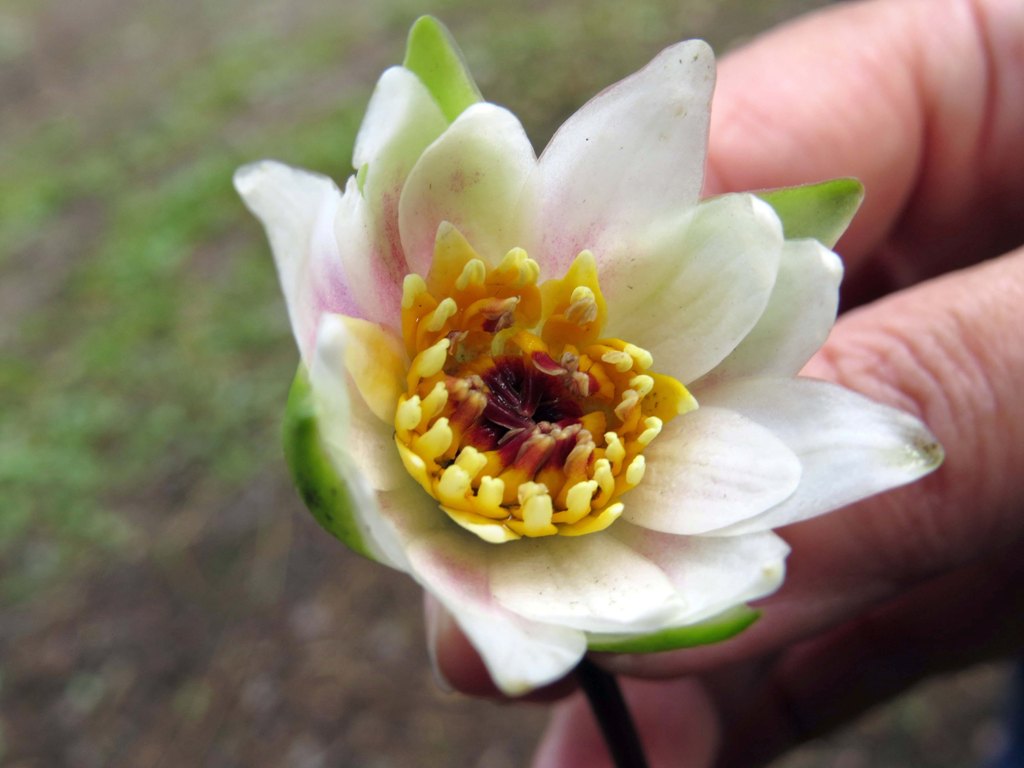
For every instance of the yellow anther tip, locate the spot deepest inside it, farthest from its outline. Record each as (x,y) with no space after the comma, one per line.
(435,400)
(643,358)
(643,384)
(473,273)
(434,441)
(408,413)
(537,513)
(653,428)
(581,293)
(413,286)
(431,360)
(471,461)
(636,469)
(442,314)
(453,485)
(619,360)
(491,491)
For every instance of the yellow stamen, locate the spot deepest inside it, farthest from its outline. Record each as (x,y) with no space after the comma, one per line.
(614,450)
(577,503)
(641,357)
(434,441)
(413,287)
(620,360)
(537,512)
(643,384)
(429,362)
(408,414)
(594,524)
(635,472)
(436,320)
(453,486)
(653,428)
(433,403)
(474,273)
(508,385)
(489,497)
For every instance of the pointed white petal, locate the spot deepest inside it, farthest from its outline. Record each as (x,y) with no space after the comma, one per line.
(708,469)
(796,322)
(519,654)
(689,292)
(401,121)
(298,210)
(850,447)
(473,176)
(592,583)
(711,574)
(631,156)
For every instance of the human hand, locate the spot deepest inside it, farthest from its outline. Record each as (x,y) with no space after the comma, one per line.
(920,99)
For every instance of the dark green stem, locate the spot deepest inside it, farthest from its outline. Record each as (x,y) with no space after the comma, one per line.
(612,715)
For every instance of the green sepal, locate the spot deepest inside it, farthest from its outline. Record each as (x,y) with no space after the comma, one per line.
(715,630)
(822,211)
(434,57)
(324,493)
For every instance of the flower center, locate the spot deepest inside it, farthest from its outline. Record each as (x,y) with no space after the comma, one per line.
(518,418)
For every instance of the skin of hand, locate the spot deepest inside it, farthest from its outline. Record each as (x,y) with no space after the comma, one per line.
(923,101)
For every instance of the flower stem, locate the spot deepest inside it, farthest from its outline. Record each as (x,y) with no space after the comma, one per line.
(612,715)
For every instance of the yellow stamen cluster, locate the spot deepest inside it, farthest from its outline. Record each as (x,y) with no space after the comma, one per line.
(518,418)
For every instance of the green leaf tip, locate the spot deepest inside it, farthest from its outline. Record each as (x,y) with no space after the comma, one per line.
(714,630)
(434,57)
(323,492)
(822,211)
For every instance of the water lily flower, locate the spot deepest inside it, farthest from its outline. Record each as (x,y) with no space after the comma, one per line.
(560,392)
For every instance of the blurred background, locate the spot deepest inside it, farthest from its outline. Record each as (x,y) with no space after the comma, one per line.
(165,599)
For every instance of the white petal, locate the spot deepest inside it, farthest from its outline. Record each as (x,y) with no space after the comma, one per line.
(631,156)
(592,583)
(298,209)
(401,121)
(689,292)
(519,654)
(797,320)
(708,469)
(359,441)
(374,272)
(473,176)
(711,574)
(850,447)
